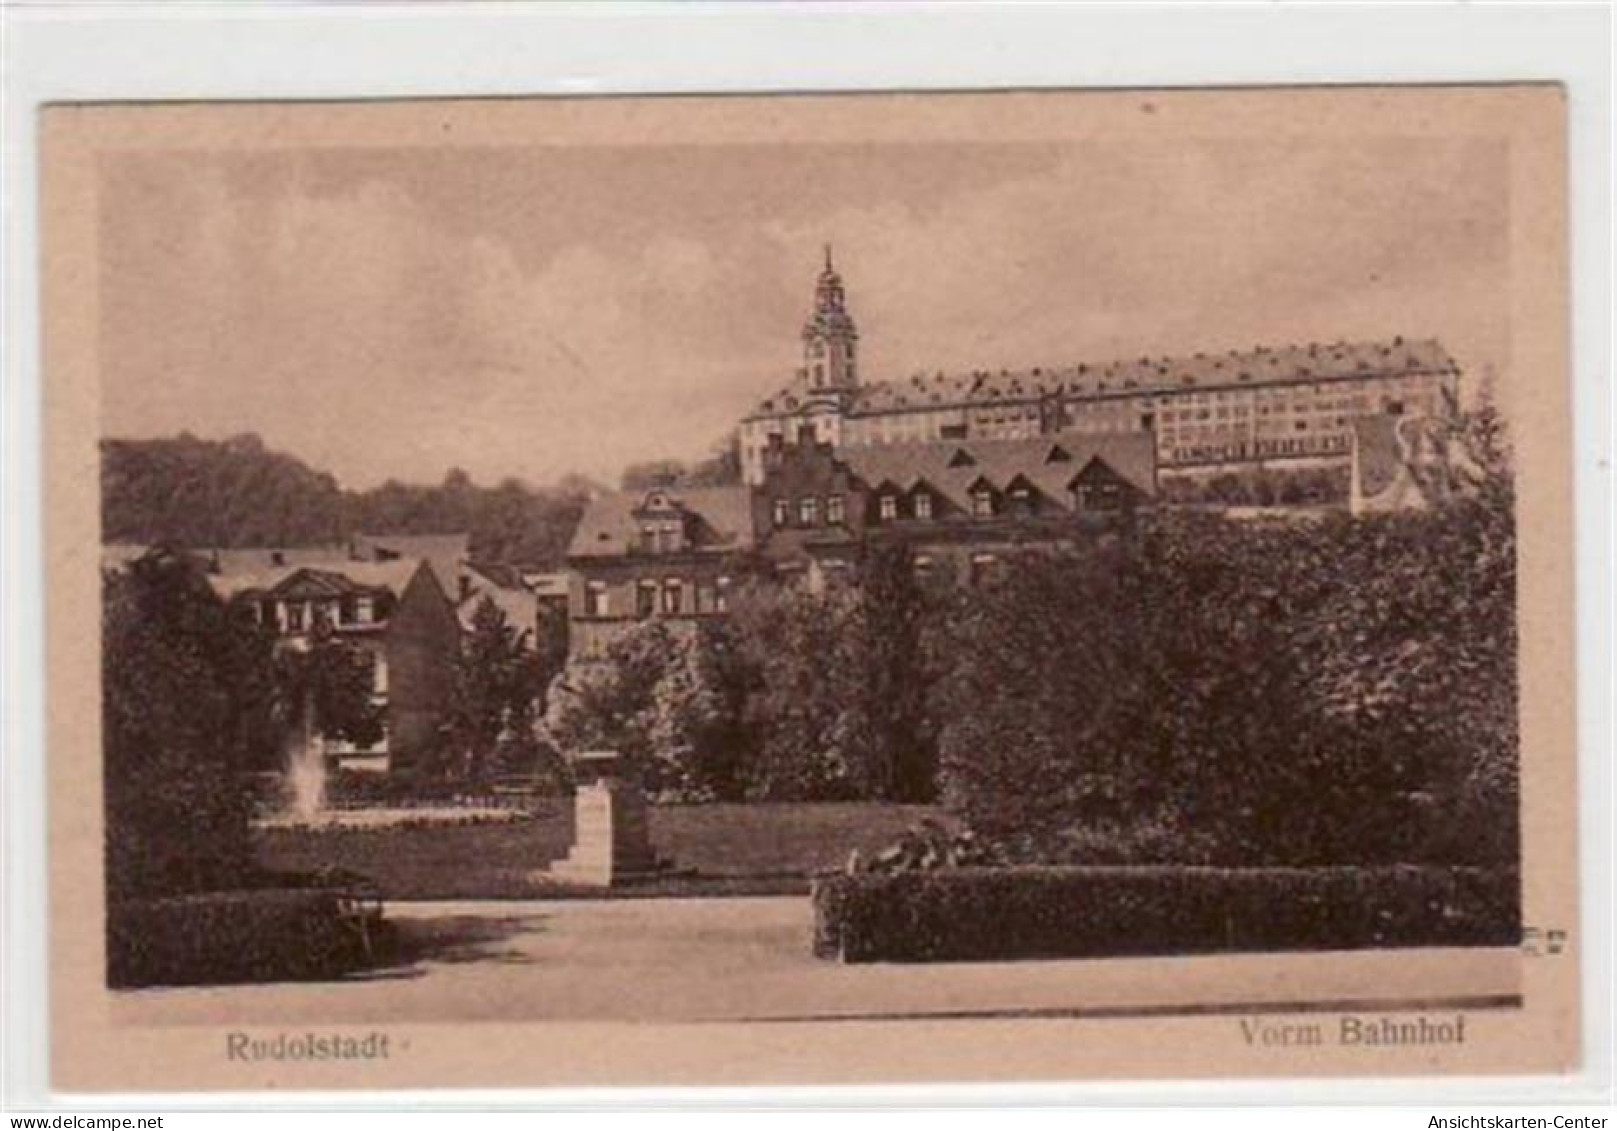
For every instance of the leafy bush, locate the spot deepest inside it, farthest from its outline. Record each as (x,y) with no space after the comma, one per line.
(931,845)
(266,935)
(927,846)
(995,914)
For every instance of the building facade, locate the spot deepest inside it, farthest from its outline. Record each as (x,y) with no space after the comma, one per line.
(1291,406)
(961,506)
(963,509)
(663,553)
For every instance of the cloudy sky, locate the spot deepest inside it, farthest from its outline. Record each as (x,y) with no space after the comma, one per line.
(542,310)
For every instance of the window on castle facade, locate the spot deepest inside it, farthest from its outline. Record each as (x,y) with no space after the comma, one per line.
(783,512)
(645,599)
(673,596)
(835,512)
(889,507)
(982,504)
(923,505)
(808,511)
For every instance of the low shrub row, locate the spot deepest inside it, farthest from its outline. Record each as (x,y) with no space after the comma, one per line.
(266,935)
(978,914)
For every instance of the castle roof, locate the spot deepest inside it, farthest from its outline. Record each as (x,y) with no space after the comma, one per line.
(1314,361)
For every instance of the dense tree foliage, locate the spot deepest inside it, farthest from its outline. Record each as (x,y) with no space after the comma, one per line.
(187,708)
(1284,692)
(1261,487)
(1297,689)
(720,468)
(190,492)
(797,694)
(492,723)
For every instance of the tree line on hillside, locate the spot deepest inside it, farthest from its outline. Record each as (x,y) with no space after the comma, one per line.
(191,492)
(1193,689)
(721,467)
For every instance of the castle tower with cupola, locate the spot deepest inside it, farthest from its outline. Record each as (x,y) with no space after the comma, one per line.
(830,340)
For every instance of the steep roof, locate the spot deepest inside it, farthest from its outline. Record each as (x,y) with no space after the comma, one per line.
(722,520)
(250,559)
(519,603)
(1048,462)
(339,573)
(447,554)
(1314,361)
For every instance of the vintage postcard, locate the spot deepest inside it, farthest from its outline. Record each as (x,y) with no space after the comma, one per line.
(978,587)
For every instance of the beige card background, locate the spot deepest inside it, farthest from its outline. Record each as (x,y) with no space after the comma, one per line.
(92,1052)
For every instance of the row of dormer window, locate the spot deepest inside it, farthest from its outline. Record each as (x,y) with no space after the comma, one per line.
(811,510)
(891,506)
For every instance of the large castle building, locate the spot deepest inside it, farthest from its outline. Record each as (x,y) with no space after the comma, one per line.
(1290,406)
(971,471)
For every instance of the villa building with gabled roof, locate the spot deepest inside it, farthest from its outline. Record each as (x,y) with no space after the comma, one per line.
(394,612)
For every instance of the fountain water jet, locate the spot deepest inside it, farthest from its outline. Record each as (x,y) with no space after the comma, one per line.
(306,776)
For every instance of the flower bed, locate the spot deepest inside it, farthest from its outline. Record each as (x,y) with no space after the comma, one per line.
(988,914)
(406,817)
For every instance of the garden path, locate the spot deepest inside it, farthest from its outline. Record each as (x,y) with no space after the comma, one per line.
(749,959)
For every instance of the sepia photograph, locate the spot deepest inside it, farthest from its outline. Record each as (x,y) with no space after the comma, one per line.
(692,579)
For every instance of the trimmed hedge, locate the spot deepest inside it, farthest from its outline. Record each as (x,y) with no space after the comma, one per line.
(985,914)
(265,935)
